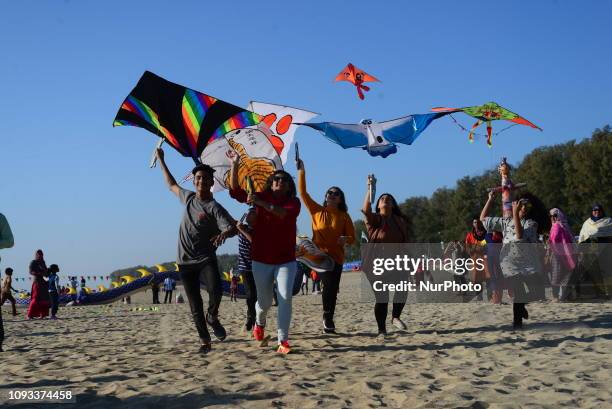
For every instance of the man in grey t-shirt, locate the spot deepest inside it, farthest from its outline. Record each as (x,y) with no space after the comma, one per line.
(204,227)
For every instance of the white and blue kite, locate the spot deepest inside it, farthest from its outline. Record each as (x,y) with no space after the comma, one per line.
(378,138)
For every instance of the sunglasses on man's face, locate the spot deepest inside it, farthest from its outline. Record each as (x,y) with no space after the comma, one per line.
(279,178)
(333,193)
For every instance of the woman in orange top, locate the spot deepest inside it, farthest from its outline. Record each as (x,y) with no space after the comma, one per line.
(332,228)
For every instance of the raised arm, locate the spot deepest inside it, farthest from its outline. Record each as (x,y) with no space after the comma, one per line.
(487,207)
(310,204)
(170,181)
(367,201)
(518,227)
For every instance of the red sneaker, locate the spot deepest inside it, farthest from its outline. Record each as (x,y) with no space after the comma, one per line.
(284,347)
(258,332)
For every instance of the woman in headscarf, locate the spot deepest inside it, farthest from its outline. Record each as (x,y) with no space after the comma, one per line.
(39,302)
(598,229)
(561,254)
(332,228)
(386,225)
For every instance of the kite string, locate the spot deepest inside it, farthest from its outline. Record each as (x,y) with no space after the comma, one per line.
(464,129)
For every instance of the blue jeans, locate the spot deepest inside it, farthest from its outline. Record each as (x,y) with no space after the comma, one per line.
(265,275)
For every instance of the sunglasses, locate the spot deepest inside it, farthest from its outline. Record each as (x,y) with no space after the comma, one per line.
(278,178)
(333,193)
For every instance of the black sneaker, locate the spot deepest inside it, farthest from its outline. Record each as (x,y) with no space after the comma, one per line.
(217,328)
(205,348)
(328,326)
(249,324)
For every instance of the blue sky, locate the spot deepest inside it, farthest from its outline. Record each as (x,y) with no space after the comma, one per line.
(82,191)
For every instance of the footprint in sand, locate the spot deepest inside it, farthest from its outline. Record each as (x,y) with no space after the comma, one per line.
(374,385)
(427,375)
(510,379)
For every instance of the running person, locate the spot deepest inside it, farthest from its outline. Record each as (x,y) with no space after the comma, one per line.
(386,225)
(273,248)
(332,229)
(519,255)
(205,226)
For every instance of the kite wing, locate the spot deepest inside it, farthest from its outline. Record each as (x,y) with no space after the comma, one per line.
(491,111)
(447,110)
(347,74)
(355,75)
(406,129)
(345,135)
(281,121)
(496,111)
(185,118)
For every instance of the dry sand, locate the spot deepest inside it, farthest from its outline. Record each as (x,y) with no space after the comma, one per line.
(451,356)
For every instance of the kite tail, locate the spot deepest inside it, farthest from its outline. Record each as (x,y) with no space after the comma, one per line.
(471,135)
(360,92)
(489,133)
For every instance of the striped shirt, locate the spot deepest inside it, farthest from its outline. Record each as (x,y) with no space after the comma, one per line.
(244,254)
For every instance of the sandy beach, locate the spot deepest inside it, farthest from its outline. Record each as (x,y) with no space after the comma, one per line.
(451,356)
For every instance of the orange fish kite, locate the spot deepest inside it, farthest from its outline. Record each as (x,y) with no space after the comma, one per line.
(356,77)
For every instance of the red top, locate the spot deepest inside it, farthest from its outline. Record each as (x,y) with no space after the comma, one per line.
(273,237)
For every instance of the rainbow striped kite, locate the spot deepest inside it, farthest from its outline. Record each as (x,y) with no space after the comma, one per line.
(186,119)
